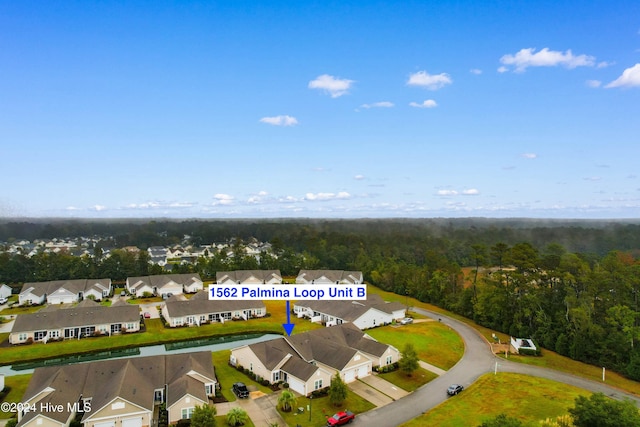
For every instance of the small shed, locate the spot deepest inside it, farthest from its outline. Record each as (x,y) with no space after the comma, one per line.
(522,343)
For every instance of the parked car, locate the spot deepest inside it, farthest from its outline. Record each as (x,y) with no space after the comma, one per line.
(147,315)
(406,321)
(454,389)
(3,300)
(123,294)
(341,418)
(240,390)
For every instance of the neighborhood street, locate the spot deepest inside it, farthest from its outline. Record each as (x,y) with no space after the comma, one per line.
(477,360)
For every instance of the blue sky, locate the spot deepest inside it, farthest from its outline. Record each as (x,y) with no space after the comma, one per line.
(320,109)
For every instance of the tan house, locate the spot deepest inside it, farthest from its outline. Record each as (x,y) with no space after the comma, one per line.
(249,277)
(199,310)
(307,361)
(88,318)
(119,393)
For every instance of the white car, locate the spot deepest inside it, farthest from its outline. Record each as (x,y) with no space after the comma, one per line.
(406,321)
(3,300)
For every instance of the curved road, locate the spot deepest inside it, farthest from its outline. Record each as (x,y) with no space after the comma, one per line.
(476,361)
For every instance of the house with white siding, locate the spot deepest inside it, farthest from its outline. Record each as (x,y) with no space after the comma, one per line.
(120,392)
(307,361)
(365,314)
(200,310)
(5,291)
(64,291)
(329,277)
(87,319)
(164,284)
(249,277)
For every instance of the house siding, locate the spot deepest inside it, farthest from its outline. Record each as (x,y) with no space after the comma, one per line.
(187,401)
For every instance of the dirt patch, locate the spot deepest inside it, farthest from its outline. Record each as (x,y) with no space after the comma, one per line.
(256,394)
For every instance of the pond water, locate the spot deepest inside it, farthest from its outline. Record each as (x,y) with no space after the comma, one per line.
(210,344)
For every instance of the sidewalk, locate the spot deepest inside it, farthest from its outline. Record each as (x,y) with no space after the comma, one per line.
(429,367)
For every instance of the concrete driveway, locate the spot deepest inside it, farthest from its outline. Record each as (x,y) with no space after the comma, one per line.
(261,410)
(151,309)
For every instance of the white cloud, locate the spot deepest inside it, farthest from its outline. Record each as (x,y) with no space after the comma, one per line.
(604,64)
(475,71)
(358,177)
(71,208)
(530,155)
(382,104)
(429,81)
(98,208)
(429,103)
(327,196)
(471,192)
(629,78)
(525,58)
(334,86)
(593,83)
(280,120)
(502,69)
(222,199)
(447,193)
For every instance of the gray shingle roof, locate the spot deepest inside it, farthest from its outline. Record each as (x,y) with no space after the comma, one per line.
(200,304)
(84,314)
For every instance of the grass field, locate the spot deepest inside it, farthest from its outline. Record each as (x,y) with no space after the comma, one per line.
(419,378)
(18,385)
(321,409)
(527,398)
(434,342)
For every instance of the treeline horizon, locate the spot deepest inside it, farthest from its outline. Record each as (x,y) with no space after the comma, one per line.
(573,286)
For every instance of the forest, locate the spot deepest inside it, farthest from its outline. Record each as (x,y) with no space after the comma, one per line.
(571,285)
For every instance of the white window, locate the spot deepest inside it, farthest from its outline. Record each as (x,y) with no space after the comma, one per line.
(258,312)
(208,388)
(22,337)
(317,385)
(389,359)
(186,413)
(54,334)
(130,326)
(103,328)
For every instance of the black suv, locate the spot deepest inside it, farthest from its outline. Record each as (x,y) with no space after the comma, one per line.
(240,390)
(454,389)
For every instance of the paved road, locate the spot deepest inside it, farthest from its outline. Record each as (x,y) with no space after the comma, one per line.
(476,361)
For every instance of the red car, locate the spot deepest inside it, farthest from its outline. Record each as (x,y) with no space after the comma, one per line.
(341,418)
(147,315)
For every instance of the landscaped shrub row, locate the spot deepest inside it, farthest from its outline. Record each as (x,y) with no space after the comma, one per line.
(387,368)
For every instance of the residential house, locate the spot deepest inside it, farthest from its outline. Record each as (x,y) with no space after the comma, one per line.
(158,255)
(307,361)
(119,392)
(5,291)
(365,314)
(198,310)
(248,277)
(88,318)
(165,284)
(64,291)
(328,277)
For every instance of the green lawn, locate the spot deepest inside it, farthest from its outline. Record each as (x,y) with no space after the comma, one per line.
(21,310)
(434,342)
(18,385)
(419,378)
(321,409)
(157,334)
(529,399)
(227,375)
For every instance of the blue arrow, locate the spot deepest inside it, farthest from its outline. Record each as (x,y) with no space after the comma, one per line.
(288,327)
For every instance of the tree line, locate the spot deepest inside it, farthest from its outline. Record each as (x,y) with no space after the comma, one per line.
(571,285)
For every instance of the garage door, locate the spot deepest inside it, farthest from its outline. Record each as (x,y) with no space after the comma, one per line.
(107,424)
(296,385)
(132,422)
(363,371)
(349,376)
